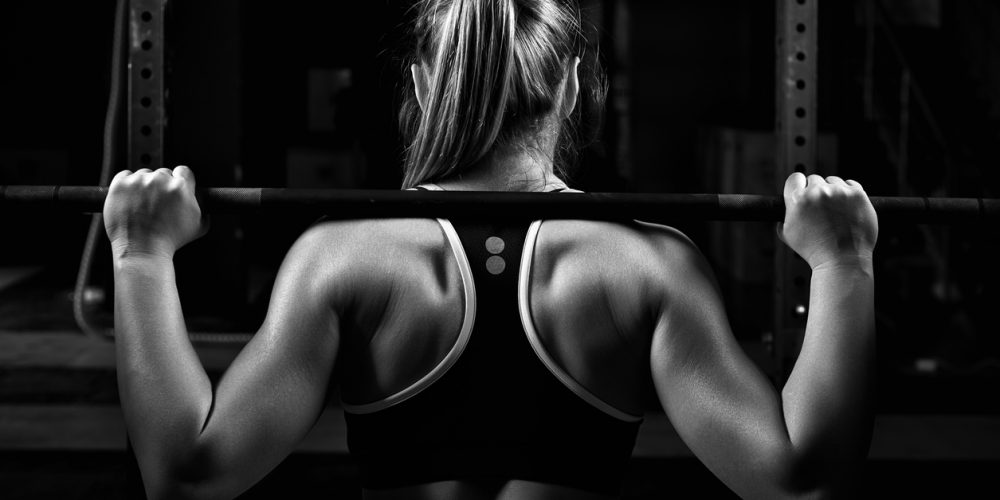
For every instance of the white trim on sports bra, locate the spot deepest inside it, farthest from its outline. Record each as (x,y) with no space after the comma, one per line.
(469,321)
(456,350)
(524,305)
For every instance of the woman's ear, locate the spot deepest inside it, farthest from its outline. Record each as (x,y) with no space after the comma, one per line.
(419,84)
(571,89)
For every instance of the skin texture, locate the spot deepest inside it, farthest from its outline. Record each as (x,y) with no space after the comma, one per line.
(645,294)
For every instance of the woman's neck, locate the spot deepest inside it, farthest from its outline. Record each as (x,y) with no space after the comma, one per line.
(521,171)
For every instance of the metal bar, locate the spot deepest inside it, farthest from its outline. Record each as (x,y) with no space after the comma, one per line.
(363,204)
(795,123)
(147,115)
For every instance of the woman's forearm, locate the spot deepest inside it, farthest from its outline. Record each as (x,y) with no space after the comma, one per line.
(827,400)
(165,394)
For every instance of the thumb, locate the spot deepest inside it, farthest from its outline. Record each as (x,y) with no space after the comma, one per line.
(185,173)
(795,182)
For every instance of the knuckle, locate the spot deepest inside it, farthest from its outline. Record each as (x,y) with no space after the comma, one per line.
(130,182)
(174,187)
(816,194)
(152,180)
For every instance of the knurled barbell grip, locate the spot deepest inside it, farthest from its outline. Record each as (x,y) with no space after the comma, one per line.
(351,204)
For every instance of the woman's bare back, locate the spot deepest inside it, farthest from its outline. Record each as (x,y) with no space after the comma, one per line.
(591,294)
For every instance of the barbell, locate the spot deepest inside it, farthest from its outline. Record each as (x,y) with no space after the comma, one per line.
(361,204)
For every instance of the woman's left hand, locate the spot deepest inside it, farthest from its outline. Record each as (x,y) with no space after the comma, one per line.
(153,213)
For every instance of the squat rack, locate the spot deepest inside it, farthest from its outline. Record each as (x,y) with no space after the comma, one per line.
(795,127)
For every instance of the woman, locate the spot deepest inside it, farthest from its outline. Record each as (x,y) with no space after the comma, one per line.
(486,359)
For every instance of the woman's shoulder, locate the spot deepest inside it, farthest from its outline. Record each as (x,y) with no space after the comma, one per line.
(667,239)
(619,255)
(361,245)
(628,268)
(353,232)
(655,243)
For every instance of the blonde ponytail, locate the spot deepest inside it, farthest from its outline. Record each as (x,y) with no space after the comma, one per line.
(468,88)
(494,68)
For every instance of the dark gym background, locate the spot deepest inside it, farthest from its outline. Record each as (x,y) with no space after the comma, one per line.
(304,94)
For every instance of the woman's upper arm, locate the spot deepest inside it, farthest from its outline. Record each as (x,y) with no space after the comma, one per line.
(275,390)
(720,403)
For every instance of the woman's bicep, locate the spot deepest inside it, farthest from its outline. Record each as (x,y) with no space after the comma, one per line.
(720,403)
(275,390)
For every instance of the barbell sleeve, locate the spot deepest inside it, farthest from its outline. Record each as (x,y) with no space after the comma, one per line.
(360,204)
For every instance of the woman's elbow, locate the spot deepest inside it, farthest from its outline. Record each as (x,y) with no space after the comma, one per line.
(175,489)
(813,479)
(165,487)
(191,479)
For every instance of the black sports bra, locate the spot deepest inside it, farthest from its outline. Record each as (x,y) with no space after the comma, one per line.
(497,407)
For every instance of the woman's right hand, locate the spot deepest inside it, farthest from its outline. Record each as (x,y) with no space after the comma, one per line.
(150,212)
(828,221)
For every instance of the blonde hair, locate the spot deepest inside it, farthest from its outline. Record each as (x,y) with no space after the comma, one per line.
(495,70)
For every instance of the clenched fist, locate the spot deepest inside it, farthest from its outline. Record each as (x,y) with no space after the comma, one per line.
(152,213)
(828,221)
